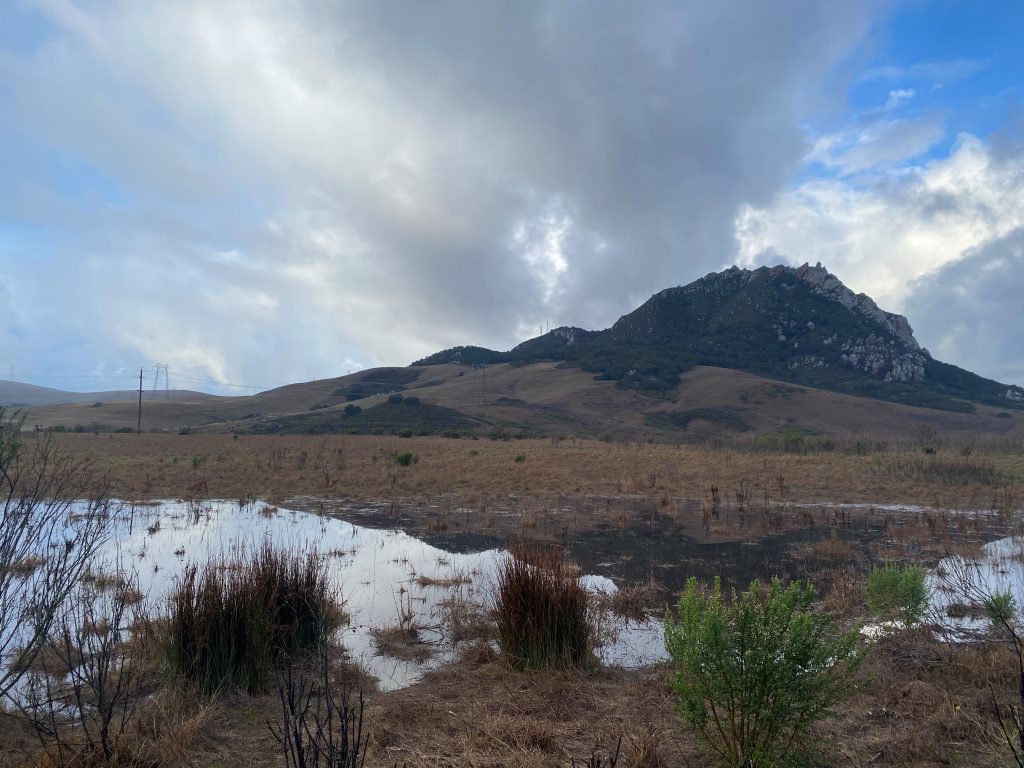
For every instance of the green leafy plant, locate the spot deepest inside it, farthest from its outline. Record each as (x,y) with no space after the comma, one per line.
(1001,608)
(406,458)
(898,594)
(754,674)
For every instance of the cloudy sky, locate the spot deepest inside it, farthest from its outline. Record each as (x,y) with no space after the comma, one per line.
(261,192)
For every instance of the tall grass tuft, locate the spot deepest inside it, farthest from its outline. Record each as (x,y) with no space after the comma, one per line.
(949,472)
(543,613)
(236,619)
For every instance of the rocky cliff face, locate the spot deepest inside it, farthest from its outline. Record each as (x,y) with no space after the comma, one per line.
(831,287)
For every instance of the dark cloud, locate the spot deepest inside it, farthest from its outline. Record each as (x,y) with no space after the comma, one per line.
(369,182)
(969,312)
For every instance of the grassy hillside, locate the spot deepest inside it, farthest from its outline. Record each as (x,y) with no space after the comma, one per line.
(543,399)
(777,322)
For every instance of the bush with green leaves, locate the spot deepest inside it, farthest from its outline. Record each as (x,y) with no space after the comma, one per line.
(898,594)
(406,458)
(755,673)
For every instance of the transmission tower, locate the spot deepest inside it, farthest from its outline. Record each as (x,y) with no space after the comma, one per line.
(156,379)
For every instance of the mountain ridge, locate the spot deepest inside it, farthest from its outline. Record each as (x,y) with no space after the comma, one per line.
(800,324)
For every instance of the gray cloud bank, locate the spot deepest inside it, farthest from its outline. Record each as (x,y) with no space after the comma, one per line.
(973,309)
(285,190)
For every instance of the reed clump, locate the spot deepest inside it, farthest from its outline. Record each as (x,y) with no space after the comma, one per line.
(543,612)
(236,619)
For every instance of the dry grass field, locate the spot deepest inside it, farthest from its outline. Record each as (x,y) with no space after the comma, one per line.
(349,466)
(918,702)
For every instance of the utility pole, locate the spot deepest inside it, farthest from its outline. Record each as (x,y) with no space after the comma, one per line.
(139,428)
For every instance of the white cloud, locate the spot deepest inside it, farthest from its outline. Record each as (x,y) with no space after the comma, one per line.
(899,96)
(882,233)
(877,144)
(933,72)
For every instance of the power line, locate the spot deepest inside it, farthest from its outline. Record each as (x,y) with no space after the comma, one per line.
(67,376)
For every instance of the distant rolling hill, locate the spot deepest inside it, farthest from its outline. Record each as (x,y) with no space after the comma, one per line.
(737,352)
(540,399)
(16,394)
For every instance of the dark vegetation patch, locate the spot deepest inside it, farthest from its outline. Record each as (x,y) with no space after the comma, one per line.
(682,419)
(408,416)
(377,381)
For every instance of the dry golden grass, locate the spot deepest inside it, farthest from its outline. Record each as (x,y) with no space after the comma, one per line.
(342,466)
(480,712)
(923,703)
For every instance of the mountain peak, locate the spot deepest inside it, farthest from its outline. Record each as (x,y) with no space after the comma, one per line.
(801,324)
(822,283)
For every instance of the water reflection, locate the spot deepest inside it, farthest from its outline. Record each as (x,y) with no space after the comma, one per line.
(379,572)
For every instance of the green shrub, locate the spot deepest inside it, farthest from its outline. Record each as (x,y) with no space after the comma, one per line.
(898,594)
(406,458)
(407,432)
(543,612)
(234,621)
(520,458)
(755,674)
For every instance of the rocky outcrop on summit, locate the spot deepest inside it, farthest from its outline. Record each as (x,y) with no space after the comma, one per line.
(831,287)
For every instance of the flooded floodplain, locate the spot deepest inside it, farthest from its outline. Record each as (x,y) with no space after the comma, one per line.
(428,564)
